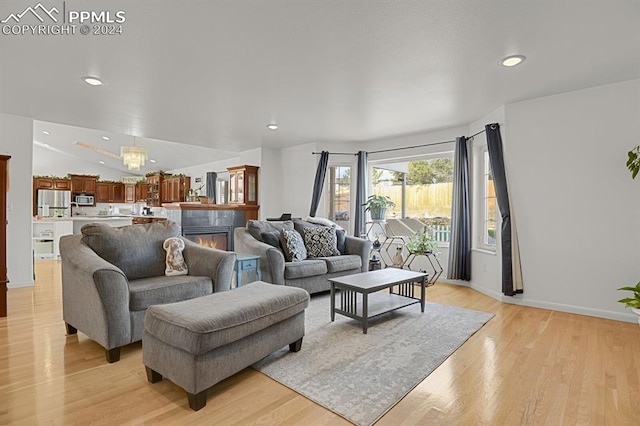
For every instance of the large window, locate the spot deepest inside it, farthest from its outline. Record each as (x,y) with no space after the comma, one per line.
(426,194)
(339,197)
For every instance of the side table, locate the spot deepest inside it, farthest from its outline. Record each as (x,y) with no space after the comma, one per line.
(244,263)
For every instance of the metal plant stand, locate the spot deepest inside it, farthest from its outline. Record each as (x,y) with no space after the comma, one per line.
(433,261)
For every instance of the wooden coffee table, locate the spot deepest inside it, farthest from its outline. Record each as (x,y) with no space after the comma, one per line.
(371,304)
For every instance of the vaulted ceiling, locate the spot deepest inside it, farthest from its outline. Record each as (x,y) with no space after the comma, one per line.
(213,73)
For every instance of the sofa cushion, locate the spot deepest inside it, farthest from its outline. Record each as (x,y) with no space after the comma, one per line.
(257,227)
(305,268)
(135,249)
(321,241)
(343,263)
(341,235)
(292,246)
(145,292)
(200,325)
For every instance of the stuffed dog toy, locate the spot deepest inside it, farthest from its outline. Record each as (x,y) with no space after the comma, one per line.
(175,261)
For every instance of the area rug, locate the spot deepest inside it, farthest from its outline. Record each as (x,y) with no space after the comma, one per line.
(362,376)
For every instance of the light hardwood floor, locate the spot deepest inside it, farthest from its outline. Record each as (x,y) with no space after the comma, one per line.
(525,366)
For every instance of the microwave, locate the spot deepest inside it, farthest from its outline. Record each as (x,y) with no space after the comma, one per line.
(84,200)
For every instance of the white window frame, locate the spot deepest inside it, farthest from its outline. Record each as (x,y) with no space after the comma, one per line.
(327,193)
(481,207)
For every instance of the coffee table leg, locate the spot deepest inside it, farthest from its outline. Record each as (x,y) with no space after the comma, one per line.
(333,302)
(365,312)
(422,294)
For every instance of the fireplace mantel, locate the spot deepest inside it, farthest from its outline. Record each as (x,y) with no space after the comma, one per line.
(251,212)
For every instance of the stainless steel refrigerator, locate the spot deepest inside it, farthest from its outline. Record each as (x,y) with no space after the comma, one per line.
(54,203)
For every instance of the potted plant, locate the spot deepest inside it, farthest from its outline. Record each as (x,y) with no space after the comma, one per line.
(632,302)
(633,161)
(377,206)
(421,243)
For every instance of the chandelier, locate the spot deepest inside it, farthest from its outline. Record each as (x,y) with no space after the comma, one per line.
(133,156)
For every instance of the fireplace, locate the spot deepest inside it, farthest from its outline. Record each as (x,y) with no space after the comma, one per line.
(218,237)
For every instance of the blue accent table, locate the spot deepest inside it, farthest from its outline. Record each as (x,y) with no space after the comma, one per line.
(244,263)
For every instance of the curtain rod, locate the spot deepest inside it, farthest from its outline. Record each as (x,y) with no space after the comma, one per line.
(404,147)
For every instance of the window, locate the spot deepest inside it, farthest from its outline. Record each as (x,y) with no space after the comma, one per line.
(426,195)
(339,197)
(489,210)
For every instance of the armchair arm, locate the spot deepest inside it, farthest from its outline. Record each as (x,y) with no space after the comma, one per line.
(209,262)
(95,294)
(271,259)
(360,247)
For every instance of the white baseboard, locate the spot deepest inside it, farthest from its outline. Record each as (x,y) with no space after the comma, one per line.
(572,309)
(19,284)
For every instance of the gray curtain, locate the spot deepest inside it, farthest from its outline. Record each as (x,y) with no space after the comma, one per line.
(212,177)
(361,194)
(460,245)
(496,158)
(318,183)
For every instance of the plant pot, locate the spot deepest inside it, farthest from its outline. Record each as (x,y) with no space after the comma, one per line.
(204,200)
(637,312)
(378,214)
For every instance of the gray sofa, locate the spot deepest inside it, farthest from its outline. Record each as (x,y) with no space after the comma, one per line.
(311,274)
(110,276)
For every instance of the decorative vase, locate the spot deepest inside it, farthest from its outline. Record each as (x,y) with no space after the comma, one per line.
(637,312)
(378,214)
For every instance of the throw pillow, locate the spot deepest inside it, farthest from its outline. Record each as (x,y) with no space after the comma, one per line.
(321,241)
(257,227)
(323,221)
(272,238)
(341,236)
(292,246)
(175,261)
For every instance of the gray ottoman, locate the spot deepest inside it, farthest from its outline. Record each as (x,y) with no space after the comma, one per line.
(200,342)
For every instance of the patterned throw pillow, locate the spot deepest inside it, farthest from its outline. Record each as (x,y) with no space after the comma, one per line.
(321,241)
(175,261)
(292,246)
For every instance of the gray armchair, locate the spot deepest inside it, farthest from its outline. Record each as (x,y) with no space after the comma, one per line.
(110,276)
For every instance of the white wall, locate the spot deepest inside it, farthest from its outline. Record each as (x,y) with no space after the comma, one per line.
(270,188)
(51,163)
(16,139)
(298,167)
(577,207)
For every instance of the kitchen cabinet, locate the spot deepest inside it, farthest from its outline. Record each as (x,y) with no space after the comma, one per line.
(51,183)
(140,220)
(154,188)
(109,192)
(130,193)
(141,192)
(243,185)
(85,184)
(46,237)
(175,189)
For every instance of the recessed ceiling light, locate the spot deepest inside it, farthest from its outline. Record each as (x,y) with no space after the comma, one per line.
(94,81)
(153,161)
(45,132)
(106,138)
(101,162)
(512,61)
(272,126)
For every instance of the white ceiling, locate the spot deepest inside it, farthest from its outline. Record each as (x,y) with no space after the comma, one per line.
(213,73)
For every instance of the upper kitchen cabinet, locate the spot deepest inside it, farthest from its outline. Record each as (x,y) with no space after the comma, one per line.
(176,189)
(51,183)
(85,184)
(110,192)
(243,185)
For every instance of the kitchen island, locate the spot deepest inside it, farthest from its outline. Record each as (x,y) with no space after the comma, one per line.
(115,221)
